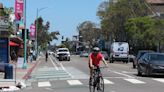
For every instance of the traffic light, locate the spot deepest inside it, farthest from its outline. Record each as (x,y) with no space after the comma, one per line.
(23,33)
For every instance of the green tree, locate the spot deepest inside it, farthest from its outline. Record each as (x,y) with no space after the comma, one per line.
(89,32)
(114,16)
(6,12)
(145,32)
(45,37)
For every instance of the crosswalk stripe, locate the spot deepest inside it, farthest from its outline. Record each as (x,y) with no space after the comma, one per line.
(159,80)
(74,82)
(107,82)
(44,84)
(135,81)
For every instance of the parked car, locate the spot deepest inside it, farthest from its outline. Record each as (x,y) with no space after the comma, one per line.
(151,63)
(104,53)
(84,54)
(50,52)
(63,54)
(139,55)
(119,51)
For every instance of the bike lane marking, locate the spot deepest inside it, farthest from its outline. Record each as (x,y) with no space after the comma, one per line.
(74,82)
(122,74)
(135,81)
(44,84)
(65,70)
(107,82)
(54,64)
(159,80)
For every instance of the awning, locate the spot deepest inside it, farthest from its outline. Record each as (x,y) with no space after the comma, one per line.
(13,43)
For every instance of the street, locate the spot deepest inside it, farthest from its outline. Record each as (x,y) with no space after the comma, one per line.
(72,76)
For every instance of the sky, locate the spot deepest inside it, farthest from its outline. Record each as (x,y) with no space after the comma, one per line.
(64,15)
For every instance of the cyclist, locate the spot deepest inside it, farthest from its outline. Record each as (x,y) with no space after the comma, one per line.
(94,59)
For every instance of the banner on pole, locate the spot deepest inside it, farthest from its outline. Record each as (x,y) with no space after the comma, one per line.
(32,31)
(18,9)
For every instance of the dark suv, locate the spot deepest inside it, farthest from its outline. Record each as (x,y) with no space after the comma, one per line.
(140,53)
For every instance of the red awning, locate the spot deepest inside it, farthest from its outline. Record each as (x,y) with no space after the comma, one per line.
(13,44)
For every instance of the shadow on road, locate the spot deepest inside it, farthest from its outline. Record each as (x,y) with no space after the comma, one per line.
(151,76)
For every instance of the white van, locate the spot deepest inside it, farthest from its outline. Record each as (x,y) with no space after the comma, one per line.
(119,51)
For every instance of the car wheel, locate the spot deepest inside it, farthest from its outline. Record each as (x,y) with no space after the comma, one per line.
(69,59)
(111,61)
(139,73)
(134,66)
(60,59)
(147,73)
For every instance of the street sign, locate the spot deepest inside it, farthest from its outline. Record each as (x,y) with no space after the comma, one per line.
(4,23)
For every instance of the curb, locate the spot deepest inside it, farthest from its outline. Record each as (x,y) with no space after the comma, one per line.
(27,75)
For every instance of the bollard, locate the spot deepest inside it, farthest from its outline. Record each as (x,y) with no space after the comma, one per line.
(8,71)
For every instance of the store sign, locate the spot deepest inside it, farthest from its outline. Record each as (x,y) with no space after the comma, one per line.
(4,23)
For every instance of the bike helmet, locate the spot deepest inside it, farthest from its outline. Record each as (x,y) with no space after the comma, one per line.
(96,49)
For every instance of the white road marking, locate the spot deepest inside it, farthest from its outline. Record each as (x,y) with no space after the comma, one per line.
(107,82)
(135,81)
(159,80)
(66,70)
(128,72)
(74,82)
(63,68)
(44,84)
(54,64)
(123,74)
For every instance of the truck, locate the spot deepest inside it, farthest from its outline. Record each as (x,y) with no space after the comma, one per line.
(119,51)
(63,54)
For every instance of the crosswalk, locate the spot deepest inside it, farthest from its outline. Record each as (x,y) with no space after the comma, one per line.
(83,82)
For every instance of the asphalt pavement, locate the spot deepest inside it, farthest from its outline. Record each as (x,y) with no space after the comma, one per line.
(72,76)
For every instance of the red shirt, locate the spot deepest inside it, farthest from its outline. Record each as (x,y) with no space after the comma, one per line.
(96,59)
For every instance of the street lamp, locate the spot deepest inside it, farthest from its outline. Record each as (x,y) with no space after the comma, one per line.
(36,42)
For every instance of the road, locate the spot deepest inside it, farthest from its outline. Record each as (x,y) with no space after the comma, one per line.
(72,76)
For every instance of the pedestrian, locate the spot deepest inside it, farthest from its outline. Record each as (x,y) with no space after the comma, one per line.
(31,56)
(46,56)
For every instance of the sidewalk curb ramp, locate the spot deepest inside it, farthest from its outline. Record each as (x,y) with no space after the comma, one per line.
(27,75)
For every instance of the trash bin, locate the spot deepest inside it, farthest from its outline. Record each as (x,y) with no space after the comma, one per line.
(8,71)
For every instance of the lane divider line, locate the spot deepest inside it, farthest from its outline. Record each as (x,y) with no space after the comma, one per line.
(54,64)
(63,68)
(66,70)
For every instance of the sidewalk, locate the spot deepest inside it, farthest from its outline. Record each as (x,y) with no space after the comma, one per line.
(21,75)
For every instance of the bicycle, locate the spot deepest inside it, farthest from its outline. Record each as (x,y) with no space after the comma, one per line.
(97,81)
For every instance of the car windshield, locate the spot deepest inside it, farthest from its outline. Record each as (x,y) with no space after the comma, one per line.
(157,57)
(63,50)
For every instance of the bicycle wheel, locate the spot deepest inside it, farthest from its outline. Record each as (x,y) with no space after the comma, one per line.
(100,84)
(91,85)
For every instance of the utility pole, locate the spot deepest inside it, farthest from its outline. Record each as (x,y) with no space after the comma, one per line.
(25,36)
(36,30)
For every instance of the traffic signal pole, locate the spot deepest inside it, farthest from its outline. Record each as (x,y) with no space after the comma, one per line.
(25,36)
